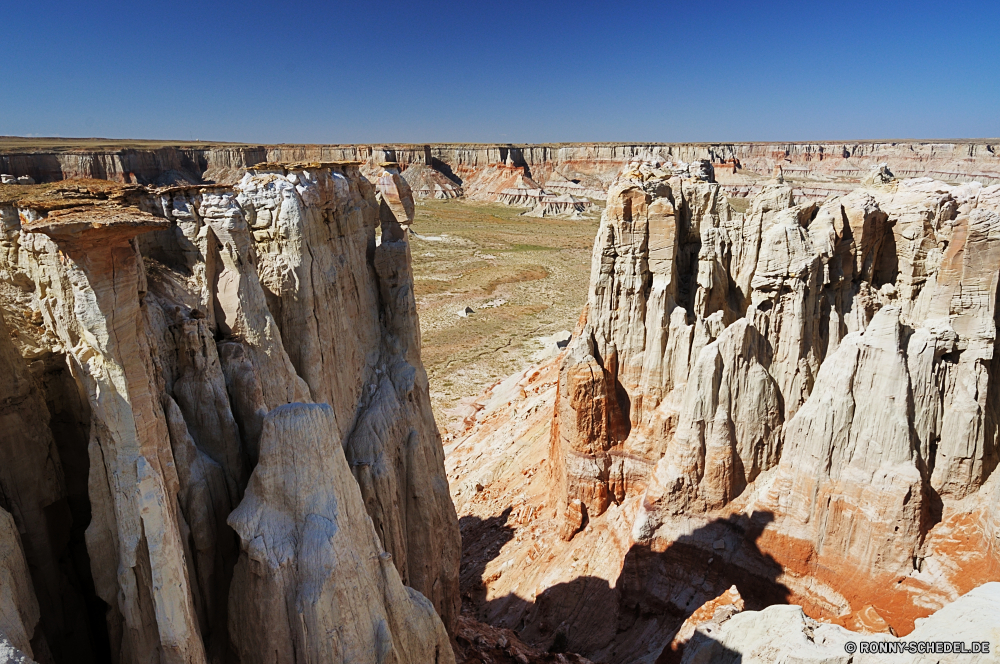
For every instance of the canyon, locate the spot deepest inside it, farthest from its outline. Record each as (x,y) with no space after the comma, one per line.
(776,411)
(484,171)
(795,400)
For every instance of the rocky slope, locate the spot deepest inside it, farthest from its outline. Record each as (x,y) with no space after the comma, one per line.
(797,400)
(482,171)
(783,634)
(217,442)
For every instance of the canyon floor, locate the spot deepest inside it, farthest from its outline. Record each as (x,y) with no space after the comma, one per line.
(524,278)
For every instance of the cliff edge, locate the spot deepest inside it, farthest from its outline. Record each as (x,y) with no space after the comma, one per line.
(218,442)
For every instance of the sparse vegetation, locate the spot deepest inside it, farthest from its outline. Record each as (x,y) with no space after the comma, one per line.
(739,204)
(524,277)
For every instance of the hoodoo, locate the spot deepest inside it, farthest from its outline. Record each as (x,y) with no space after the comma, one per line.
(800,400)
(217,438)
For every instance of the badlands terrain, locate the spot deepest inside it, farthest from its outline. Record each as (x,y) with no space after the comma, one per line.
(494,403)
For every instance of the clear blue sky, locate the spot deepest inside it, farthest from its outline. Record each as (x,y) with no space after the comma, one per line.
(386,71)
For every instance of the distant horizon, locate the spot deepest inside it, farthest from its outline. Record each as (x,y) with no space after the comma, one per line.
(206,142)
(513,73)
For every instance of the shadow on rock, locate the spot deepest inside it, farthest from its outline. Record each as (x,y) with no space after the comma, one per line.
(482,540)
(638,615)
(709,651)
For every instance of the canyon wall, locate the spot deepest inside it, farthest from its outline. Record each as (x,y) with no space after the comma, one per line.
(218,444)
(831,365)
(481,171)
(799,400)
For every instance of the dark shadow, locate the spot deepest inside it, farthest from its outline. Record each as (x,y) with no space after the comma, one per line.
(688,248)
(445,170)
(887,264)
(620,421)
(640,613)
(624,400)
(517,158)
(709,650)
(39,167)
(171,248)
(933,510)
(481,543)
(149,166)
(80,634)
(991,451)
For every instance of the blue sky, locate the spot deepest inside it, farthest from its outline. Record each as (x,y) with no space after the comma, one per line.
(386,71)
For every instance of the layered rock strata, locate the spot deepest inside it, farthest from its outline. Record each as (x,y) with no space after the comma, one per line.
(524,192)
(797,400)
(248,355)
(584,170)
(553,205)
(427,182)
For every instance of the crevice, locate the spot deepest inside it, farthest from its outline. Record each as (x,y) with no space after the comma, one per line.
(85,638)
(991,438)
(886,268)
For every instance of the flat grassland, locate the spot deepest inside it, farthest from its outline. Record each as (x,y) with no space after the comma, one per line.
(523,277)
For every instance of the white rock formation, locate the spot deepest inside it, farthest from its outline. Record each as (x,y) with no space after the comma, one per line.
(823,374)
(313,576)
(185,316)
(783,634)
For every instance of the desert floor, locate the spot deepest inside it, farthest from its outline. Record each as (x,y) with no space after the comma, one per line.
(525,279)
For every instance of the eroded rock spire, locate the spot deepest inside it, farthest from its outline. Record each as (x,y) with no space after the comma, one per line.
(219,337)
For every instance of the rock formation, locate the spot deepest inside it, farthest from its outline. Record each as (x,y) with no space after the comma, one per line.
(312,576)
(481,171)
(429,183)
(18,604)
(561,205)
(798,400)
(521,191)
(783,634)
(524,192)
(837,344)
(244,354)
(702,623)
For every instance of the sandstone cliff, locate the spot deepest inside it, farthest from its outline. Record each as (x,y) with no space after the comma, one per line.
(251,424)
(798,400)
(481,171)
